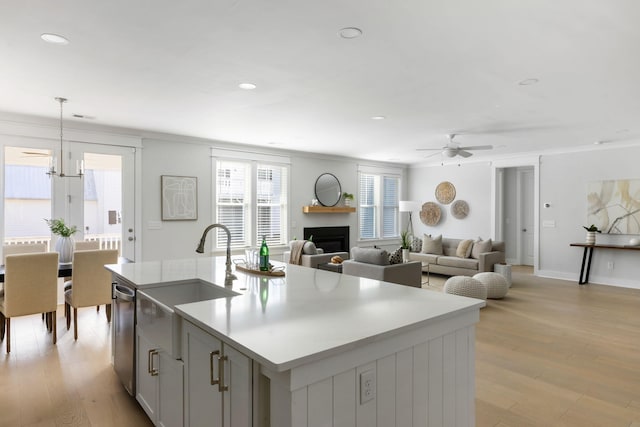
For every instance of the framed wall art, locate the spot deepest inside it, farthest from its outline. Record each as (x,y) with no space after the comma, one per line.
(179,195)
(614,206)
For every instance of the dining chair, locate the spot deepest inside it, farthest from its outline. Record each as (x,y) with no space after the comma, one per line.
(87,245)
(90,284)
(22,248)
(30,282)
(83,245)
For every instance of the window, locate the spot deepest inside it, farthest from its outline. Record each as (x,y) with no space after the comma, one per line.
(251,200)
(378,198)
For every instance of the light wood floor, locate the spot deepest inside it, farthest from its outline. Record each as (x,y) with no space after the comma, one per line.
(551,353)
(69,384)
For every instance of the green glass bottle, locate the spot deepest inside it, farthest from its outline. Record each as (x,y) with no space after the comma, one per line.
(264,255)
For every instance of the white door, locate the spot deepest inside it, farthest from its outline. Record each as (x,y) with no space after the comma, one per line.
(527,215)
(102,202)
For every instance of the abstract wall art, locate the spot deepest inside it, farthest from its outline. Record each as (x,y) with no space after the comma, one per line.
(179,198)
(614,206)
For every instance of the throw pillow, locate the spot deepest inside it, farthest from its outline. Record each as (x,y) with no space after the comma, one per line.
(479,247)
(416,245)
(432,245)
(464,248)
(309,248)
(395,257)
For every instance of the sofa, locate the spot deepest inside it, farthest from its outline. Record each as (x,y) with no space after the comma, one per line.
(373,263)
(457,257)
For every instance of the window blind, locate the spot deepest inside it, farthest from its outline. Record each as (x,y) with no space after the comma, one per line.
(251,200)
(232,202)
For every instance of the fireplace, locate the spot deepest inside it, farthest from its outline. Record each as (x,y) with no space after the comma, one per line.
(330,239)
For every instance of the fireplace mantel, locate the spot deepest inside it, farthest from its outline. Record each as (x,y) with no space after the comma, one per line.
(328,209)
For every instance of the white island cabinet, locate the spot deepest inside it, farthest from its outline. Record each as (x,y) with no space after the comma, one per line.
(159,383)
(218,382)
(318,348)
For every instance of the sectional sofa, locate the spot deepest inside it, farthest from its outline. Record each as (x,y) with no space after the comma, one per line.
(454,260)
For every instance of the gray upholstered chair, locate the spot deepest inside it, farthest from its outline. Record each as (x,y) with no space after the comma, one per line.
(30,282)
(373,263)
(90,284)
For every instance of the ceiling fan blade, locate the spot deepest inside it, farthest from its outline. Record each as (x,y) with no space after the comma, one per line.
(478,147)
(428,149)
(434,154)
(463,153)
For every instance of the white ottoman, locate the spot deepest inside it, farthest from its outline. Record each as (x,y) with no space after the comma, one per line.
(466,287)
(495,283)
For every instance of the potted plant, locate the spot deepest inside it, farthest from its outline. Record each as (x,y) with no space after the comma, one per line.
(65,244)
(405,244)
(591,234)
(348,198)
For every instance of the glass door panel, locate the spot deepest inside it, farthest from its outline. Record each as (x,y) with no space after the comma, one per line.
(27,195)
(103,199)
(103,205)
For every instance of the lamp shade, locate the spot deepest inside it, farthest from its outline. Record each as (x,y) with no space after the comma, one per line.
(408,206)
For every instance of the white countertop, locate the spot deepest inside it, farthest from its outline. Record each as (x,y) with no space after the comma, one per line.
(283,322)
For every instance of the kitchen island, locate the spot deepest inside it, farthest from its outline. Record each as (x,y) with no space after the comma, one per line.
(318,348)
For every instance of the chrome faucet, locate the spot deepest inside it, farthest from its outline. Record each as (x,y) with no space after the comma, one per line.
(229,277)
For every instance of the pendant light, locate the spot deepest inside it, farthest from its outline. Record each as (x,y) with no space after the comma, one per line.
(52,167)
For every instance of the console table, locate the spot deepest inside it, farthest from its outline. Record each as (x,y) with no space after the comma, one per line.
(588,254)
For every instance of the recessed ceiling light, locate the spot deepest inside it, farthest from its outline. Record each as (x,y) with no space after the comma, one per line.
(598,143)
(378,118)
(528,82)
(54,38)
(350,32)
(247,86)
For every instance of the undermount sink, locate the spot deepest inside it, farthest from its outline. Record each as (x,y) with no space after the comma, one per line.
(156,316)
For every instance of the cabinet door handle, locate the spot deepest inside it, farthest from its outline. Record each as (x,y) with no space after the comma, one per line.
(213,380)
(150,368)
(221,385)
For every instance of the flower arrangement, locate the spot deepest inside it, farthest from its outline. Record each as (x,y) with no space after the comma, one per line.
(347,196)
(58,227)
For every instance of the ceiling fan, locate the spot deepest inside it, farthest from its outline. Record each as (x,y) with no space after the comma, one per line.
(452,149)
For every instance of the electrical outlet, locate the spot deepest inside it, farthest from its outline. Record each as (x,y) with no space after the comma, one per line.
(610,265)
(367,386)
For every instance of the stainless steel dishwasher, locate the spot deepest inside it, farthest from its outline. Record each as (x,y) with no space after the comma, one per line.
(124,323)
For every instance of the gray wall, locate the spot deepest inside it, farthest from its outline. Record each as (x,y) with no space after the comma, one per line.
(563,184)
(473,184)
(178,239)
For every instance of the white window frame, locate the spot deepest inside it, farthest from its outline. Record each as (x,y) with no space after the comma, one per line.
(253,161)
(379,174)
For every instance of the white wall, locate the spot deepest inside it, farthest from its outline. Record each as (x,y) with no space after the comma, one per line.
(563,184)
(473,185)
(178,239)
(174,239)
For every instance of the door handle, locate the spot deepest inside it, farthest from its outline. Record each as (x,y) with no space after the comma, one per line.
(213,380)
(221,385)
(150,368)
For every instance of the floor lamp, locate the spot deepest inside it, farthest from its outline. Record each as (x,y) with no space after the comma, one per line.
(408,206)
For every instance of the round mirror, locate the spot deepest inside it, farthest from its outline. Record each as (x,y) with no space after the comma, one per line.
(328,190)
